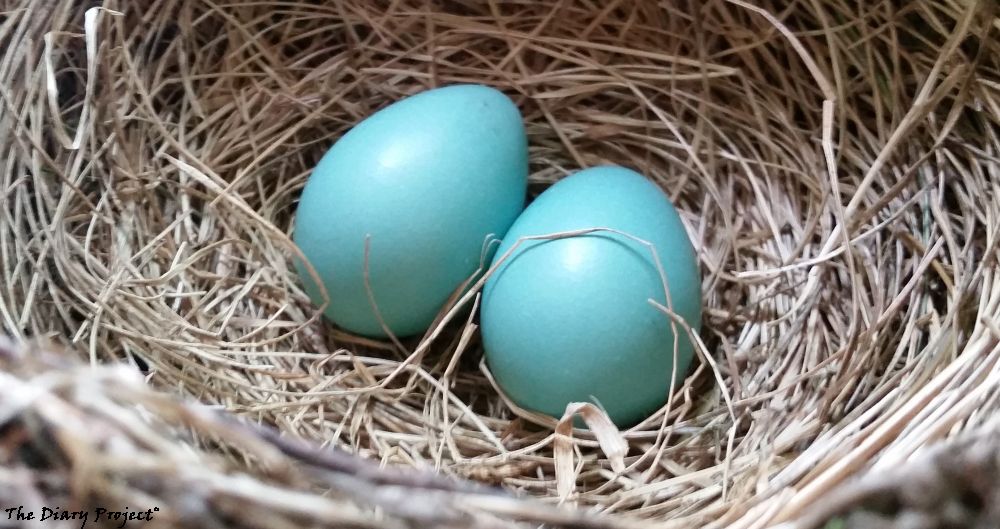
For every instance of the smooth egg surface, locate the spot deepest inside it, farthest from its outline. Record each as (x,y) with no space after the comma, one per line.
(568,320)
(426,180)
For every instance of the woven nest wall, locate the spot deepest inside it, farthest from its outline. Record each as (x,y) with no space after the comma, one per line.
(836,167)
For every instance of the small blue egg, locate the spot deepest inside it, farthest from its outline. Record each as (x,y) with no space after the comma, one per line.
(428,179)
(568,320)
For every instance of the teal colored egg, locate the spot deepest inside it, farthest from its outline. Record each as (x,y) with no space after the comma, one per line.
(428,179)
(568,320)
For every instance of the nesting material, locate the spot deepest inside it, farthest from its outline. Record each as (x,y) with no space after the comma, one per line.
(81,443)
(836,168)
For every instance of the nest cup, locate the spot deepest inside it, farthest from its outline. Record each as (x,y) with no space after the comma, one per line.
(836,170)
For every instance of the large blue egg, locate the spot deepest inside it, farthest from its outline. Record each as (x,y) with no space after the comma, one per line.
(428,179)
(568,320)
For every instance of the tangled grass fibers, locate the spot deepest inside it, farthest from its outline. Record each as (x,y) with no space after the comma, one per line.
(78,438)
(837,167)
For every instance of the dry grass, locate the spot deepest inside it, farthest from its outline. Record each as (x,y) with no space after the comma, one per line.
(78,439)
(837,167)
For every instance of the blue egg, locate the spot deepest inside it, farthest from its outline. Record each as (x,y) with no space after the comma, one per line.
(427,179)
(568,320)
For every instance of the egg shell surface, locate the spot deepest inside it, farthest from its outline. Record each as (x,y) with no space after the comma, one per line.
(427,180)
(568,320)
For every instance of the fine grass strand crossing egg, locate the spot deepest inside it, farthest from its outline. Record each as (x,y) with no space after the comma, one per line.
(426,180)
(568,320)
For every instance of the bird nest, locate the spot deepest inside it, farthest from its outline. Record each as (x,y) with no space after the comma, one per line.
(837,169)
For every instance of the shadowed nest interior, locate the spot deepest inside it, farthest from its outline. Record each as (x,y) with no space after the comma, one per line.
(836,167)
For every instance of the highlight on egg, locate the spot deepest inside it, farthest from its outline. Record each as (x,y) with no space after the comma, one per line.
(569,319)
(424,182)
